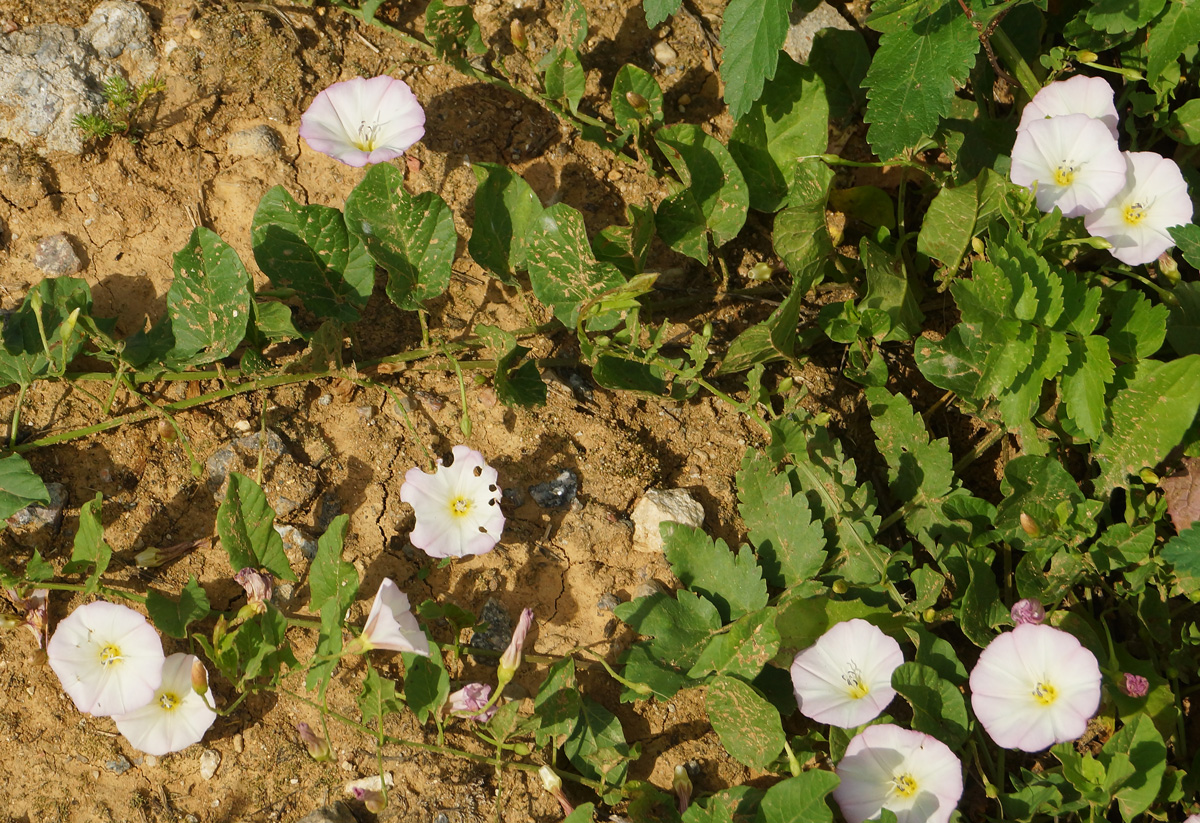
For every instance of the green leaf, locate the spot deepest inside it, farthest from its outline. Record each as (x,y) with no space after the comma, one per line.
(505,208)
(1137,327)
(309,249)
(678,627)
(557,704)
(1084,383)
(631,79)
(584,813)
(330,577)
(597,745)
(1177,31)
(659,10)
(841,59)
(573,26)
(748,725)
(427,683)
(452,31)
(565,78)
(23,358)
(1183,553)
(1188,238)
(329,648)
(789,543)
(1116,16)
(750,643)
(245,524)
(949,223)
(562,270)
(378,698)
(789,121)
(519,385)
(1149,418)
(752,34)
(938,706)
(713,197)
(733,582)
(209,300)
(89,549)
(172,618)
(37,569)
(799,799)
(913,76)
(890,289)
(800,234)
(1135,760)
(413,238)
(19,486)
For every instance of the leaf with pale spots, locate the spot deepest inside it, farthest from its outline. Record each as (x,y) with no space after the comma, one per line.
(208,301)
(246,526)
(562,271)
(748,725)
(713,196)
(733,582)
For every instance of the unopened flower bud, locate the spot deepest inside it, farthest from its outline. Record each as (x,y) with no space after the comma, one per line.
(840,587)
(637,101)
(929,615)
(318,747)
(1149,477)
(68,326)
(1027,611)
(1168,268)
(1086,56)
(786,385)
(510,661)
(373,800)
(978,246)
(516,30)
(199,678)
(1030,526)
(154,557)
(258,586)
(166,432)
(552,783)
(1134,685)
(681,784)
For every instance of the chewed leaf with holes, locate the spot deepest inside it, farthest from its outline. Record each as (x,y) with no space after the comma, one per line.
(562,270)
(209,300)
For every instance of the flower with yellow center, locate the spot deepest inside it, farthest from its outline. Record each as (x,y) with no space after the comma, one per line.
(845,678)
(1136,222)
(1092,96)
(362,121)
(913,775)
(107,657)
(457,507)
(176,718)
(1035,686)
(390,625)
(1071,162)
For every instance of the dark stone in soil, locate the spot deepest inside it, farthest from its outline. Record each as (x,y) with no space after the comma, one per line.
(39,515)
(607,602)
(497,634)
(557,493)
(512,498)
(339,812)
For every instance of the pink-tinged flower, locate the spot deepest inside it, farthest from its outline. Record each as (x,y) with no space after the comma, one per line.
(1027,611)
(681,784)
(363,121)
(552,783)
(471,701)
(1071,161)
(510,661)
(107,657)
(258,586)
(1134,685)
(372,799)
(913,775)
(34,608)
(457,507)
(1135,221)
(1091,96)
(318,746)
(175,718)
(390,625)
(1035,686)
(845,678)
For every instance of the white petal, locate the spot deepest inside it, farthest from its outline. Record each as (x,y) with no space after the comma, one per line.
(1157,185)
(1075,141)
(157,730)
(877,755)
(391,625)
(440,531)
(1079,95)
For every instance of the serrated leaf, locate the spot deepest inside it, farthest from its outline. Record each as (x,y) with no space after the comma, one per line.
(790,544)
(89,549)
(453,31)
(378,698)
(1135,760)
(19,486)
(412,237)
(596,746)
(1116,16)
(1137,327)
(938,707)
(790,120)
(799,799)
(1149,417)
(505,208)
(308,248)
(562,270)
(557,704)
(913,76)
(330,577)
(714,195)
(173,617)
(1188,239)
(679,628)
(1085,380)
(209,299)
(733,582)
(638,81)
(245,525)
(748,725)
(426,682)
(752,34)
(659,10)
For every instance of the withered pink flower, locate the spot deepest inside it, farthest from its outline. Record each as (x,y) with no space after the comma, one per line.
(510,661)
(1134,685)
(471,701)
(1027,611)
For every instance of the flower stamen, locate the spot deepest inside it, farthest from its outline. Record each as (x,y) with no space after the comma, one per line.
(110,654)
(460,506)
(1134,213)
(1064,174)
(1045,693)
(854,679)
(904,785)
(366,136)
(168,701)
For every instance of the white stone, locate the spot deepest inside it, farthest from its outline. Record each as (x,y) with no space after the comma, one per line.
(371,784)
(209,761)
(659,506)
(664,54)
(805,26)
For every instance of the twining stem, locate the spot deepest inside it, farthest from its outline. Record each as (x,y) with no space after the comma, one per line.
(15,424)
(104,590)
(170,418)
(1012,56)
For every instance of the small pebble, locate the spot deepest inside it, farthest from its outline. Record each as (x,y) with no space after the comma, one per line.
(371,784)
(239,744)
(56,256)
(296,540)
(512,497)
(557,493)
(39,515)
(118,766)
(647,588)
(607,602)
(209,761)
(685,99)
(325,400)
(243,426)
(664,54)
(150,762)
(260,141)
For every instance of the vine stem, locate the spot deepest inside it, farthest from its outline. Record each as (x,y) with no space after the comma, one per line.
(1012,56)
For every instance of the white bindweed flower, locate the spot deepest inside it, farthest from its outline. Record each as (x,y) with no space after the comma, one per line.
(362,121)
(107,657)
(1136,220)
(457,507)
(911,774)
(1071,161)
(176,718)
(1035,686)
(1079,95)
(390,625)
(845,678)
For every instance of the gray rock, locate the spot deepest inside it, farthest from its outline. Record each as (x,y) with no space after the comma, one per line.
(607,602)
(260,141)
(497,634)
(226,458)
(557,493)
(118,26)
(48,515)
(804,28)
(118,766)
(287,483)
(56,256)
(297,541)
(659,506)
(512,497)
(337,812)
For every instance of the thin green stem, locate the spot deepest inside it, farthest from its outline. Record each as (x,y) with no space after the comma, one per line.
(196,468)
(1012,56)
(108,591)
(15,423)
